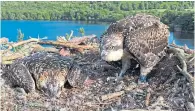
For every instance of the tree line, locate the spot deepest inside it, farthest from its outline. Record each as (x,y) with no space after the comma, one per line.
(106,11)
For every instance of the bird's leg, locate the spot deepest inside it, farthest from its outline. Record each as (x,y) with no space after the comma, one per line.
(143,73)
(126,62)
(125,65)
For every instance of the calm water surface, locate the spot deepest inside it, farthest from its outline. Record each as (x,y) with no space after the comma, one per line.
(51,29)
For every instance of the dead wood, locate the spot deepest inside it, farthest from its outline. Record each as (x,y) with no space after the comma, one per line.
(9,59)
(37,48)
(23,42)
(78,40)
(185,48)
(183,70)
(4,40)
(80,48)
(111,95)
(12,57)
(147,102)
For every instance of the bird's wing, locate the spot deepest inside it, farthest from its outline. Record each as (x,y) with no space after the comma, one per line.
(147,44)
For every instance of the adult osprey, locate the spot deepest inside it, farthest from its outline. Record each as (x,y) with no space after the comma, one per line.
(141,37)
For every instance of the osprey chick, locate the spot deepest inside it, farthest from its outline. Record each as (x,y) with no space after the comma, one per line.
(46,72)
(141,37)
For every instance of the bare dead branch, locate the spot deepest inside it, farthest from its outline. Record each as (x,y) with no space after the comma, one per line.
(186,50)
(111,95)
(4,40)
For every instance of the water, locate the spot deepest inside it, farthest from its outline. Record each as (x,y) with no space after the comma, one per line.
(52,29)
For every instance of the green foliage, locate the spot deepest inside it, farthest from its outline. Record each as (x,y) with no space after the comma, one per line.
(87,10)
(67,37)
(105,11)
(20,35)
(82,31)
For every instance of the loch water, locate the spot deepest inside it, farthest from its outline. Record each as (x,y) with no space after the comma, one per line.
(52,29)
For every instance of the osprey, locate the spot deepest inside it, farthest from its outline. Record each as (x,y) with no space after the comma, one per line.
(141,37)
(47,72)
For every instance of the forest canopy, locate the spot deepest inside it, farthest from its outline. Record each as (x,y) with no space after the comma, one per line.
(170,12)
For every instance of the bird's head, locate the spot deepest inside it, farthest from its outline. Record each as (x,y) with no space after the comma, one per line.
(51,82)
(111,47)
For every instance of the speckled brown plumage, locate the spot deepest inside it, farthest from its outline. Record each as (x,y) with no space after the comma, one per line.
(47,72)
(148,44)
(141,37)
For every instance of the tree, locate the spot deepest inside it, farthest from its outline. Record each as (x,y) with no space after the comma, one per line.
(141,6)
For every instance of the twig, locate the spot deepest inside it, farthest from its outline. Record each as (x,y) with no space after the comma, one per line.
(23,42)
(69,45)
(185,48)
(12,57)
(183,70)
(147,102)
(46,49)
(4,40)
(111,95)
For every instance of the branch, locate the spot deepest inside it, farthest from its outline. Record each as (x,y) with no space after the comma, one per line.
(183,70)
(12,57)
(111,95)
(185,48)
(78,40)
(23,42)
(37,48)
(4,40)
(80,48)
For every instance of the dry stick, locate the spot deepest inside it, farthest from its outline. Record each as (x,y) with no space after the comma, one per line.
(69,45)
(183,70)
(78,40)
(111,95)
(7,62)
(12,57)
(147,102)
(186,49)
(20,43)
(4,40)
(183,63)
(23,42)
(37,48)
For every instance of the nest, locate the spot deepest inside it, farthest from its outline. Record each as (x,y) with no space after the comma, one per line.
(170,87)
